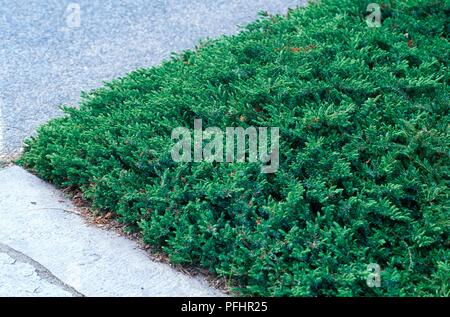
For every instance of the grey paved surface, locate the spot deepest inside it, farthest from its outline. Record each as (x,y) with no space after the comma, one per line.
(46,59)
(21,279)
(48,250)
(22,276)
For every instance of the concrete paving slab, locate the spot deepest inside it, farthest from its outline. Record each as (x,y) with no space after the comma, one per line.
(24,277)
(48,250)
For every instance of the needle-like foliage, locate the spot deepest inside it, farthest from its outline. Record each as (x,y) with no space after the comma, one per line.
(364,177)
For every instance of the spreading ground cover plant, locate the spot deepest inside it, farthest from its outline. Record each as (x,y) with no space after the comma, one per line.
(364,152)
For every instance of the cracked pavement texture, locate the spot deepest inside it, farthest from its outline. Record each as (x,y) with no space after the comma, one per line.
(22,276)
(47,249)
(21,279)
(47,60)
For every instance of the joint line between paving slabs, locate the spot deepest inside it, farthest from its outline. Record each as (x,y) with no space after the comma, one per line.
(41,270)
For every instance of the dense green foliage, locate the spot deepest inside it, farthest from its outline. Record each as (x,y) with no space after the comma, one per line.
(364,158)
